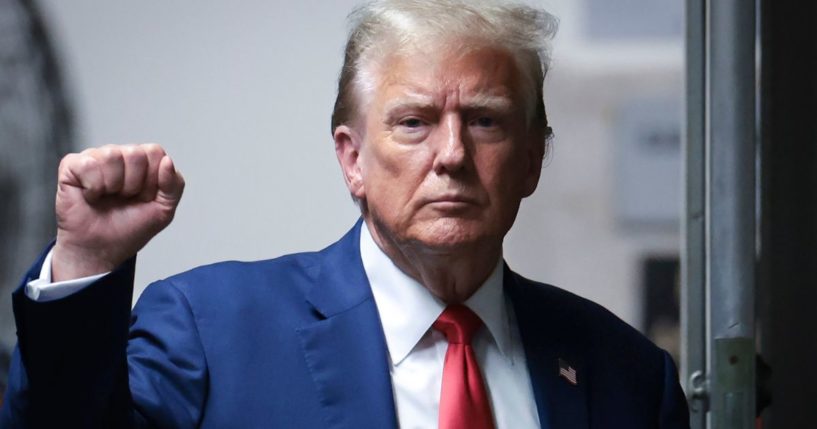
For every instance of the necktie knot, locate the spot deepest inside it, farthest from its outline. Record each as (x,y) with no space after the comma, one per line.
(458,323)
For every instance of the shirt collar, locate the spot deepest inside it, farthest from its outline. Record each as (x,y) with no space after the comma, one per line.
(407,309)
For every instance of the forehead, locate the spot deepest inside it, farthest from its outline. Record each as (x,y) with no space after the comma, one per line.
(476,74)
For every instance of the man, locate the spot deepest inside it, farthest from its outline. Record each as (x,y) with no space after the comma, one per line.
(412,319)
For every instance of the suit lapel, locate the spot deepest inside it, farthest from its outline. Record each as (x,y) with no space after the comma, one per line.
(345,350)
(548,337)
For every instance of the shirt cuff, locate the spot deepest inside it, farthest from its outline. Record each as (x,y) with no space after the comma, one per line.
(43,290)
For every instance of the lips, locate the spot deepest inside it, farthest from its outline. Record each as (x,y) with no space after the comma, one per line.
(452,201)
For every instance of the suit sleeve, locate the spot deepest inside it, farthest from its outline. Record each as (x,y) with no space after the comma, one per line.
(167,365)
(674,412)
(76,365)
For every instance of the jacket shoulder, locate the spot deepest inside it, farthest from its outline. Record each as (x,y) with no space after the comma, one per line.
(290,268)
(585,321)
(235,286)
(625,367)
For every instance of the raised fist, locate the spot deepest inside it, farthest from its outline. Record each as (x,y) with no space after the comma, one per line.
(110,202)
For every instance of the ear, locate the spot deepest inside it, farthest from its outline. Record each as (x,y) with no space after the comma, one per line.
(535,154)
(347,149)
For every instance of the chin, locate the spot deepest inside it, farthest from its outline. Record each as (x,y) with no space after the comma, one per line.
(447,235)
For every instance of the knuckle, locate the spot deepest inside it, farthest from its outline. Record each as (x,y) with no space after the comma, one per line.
(133,156)
(91,153)
(154,149)
(86,163)
(67,161)
(128,149)
(110,153)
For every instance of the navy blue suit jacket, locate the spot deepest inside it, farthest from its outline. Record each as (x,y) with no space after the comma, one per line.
(296,342)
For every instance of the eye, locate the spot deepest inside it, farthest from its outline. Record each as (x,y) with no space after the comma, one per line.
(410,129)
(411,123)
(487,127)
(485,122)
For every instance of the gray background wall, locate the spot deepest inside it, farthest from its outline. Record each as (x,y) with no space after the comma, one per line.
(240,93)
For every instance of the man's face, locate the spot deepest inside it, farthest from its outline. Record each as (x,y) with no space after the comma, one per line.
(445,154)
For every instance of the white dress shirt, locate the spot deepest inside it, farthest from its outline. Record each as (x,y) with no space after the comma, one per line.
(407,311)
(417,352)
(42,289)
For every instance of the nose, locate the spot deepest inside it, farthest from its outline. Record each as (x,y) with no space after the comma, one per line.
(452,152)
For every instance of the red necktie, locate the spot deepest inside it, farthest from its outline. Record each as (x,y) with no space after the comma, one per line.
(463,401)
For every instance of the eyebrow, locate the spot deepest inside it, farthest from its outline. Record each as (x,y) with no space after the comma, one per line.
(410,101)
(489,102)
(419,101)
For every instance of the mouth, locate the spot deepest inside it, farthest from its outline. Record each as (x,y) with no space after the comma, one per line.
(451,202)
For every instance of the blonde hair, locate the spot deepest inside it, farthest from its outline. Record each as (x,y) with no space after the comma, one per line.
(385,27)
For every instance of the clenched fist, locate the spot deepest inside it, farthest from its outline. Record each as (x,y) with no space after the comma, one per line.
(110,202)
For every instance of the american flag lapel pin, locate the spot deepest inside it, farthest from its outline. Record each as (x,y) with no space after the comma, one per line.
(567,372)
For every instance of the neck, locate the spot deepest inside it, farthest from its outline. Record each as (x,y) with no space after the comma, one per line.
(452,275)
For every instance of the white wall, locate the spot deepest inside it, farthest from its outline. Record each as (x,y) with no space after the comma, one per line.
(240,93)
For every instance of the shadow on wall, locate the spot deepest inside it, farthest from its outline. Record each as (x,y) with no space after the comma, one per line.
(35,131)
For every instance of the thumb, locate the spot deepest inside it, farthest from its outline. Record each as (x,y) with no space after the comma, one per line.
(171,182)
